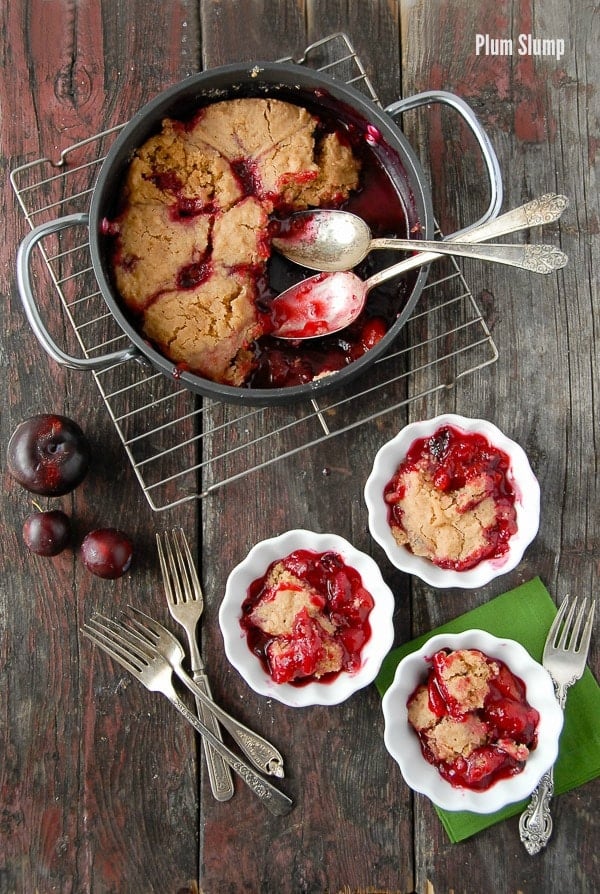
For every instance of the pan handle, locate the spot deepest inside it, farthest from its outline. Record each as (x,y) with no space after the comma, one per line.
(487,150)
(31,309)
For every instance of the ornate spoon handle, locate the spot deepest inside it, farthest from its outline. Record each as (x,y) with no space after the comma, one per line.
(542,210)
(535,824)
(537,258)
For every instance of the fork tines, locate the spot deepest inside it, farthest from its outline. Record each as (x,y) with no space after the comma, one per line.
(124,643)
(124,646)
(566,629)
(177,566)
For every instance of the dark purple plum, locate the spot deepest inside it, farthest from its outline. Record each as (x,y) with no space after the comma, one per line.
(107,552)
(47,533)
(48,454)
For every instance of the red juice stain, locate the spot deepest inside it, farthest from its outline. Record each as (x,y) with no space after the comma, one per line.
(127,262)
(109,227)
(193,275)
(373,135)
(247,175)
(166,181)
(179,369)
(189,208)
(372,332)
(292,227)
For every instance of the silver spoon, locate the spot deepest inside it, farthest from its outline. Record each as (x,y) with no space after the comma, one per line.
(328,302)
(331,241)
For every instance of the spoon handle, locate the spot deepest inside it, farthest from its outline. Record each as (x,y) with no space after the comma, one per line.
(537,258)
(545,209)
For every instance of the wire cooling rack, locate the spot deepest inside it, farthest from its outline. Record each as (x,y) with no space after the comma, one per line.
(182,448)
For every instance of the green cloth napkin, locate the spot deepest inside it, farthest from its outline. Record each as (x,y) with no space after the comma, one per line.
(525,615)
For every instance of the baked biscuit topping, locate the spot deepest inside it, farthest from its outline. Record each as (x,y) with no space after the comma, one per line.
(192,242)
(307,617)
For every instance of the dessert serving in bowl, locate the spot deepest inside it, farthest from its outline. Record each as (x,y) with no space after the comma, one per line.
(307,618)
(472,721)
(453,501)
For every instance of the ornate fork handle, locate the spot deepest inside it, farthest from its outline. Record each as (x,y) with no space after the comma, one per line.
(221,782)
(263,754)
(274,800)
(535,823)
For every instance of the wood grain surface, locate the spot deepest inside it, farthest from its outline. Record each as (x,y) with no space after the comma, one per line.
(102,785)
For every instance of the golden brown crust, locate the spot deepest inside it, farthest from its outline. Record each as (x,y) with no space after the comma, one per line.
(465,676)
(207,328)
(452,738)
(444,526)
(153,251)
(192,238)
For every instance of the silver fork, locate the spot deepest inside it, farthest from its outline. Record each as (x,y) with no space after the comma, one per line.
(186,604)
(565,656)
(155,673)
(148,632)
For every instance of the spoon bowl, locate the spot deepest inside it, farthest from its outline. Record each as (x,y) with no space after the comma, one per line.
(326,240)
(320,305)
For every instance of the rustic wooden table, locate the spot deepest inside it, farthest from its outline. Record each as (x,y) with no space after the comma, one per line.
(102,785)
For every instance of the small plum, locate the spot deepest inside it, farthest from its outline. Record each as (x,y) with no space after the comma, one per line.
(107,552)
(47,533)
(48,454)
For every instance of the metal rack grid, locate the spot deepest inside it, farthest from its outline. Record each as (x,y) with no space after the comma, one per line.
(182,448)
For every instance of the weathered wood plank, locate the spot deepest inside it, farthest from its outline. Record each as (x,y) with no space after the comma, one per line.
(531,108)
(98,776)
(351,823)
